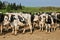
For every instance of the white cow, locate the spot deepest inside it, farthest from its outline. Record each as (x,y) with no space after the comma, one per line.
(12,20)
(36,21)
(42,18)
(28,20)
(17,23)
(56,20)
(50,22)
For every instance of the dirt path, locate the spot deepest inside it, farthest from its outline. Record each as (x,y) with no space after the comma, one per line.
(37,35)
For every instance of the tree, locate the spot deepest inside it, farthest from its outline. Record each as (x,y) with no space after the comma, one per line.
(14,6)
(3,5)
(8,8)
(0,5)
(20,6)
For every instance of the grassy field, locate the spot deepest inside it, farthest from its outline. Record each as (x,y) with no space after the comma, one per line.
(34,9)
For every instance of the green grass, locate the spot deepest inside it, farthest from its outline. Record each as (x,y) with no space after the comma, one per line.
(33,9)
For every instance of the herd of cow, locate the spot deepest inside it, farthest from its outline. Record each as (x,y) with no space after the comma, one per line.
(16,21)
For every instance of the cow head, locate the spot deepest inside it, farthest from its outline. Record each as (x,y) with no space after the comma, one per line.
(21,19)
(6,20)
(36,18)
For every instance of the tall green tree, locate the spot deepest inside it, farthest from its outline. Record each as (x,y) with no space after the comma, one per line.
(14,6)
(20,6)
(0,5)
(8,8)
(3,5)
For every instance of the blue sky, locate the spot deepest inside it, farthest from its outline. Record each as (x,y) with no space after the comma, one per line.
(36,3)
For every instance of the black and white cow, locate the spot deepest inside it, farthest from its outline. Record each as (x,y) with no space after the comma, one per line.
(28,21)
(35,21)
(6,22)
(45,21)
(56,19)
(49,23)
(1,21)
(17,20)
(42,19)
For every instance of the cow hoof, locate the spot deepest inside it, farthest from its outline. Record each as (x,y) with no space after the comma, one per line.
(42,30)
(49,32)
(12,34)
(0,33)
(46,31)
(39,29)
(23,33)
(15,35)
(31,33)
(4,37)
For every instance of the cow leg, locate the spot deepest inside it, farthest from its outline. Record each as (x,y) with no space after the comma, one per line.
(49,30)
(49,27)
(12,30)
(1,29)
(6,28)
(16,29)
(46,29)
(30,28)
(33,26)
(54,28)
(23,30)
(42,27)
